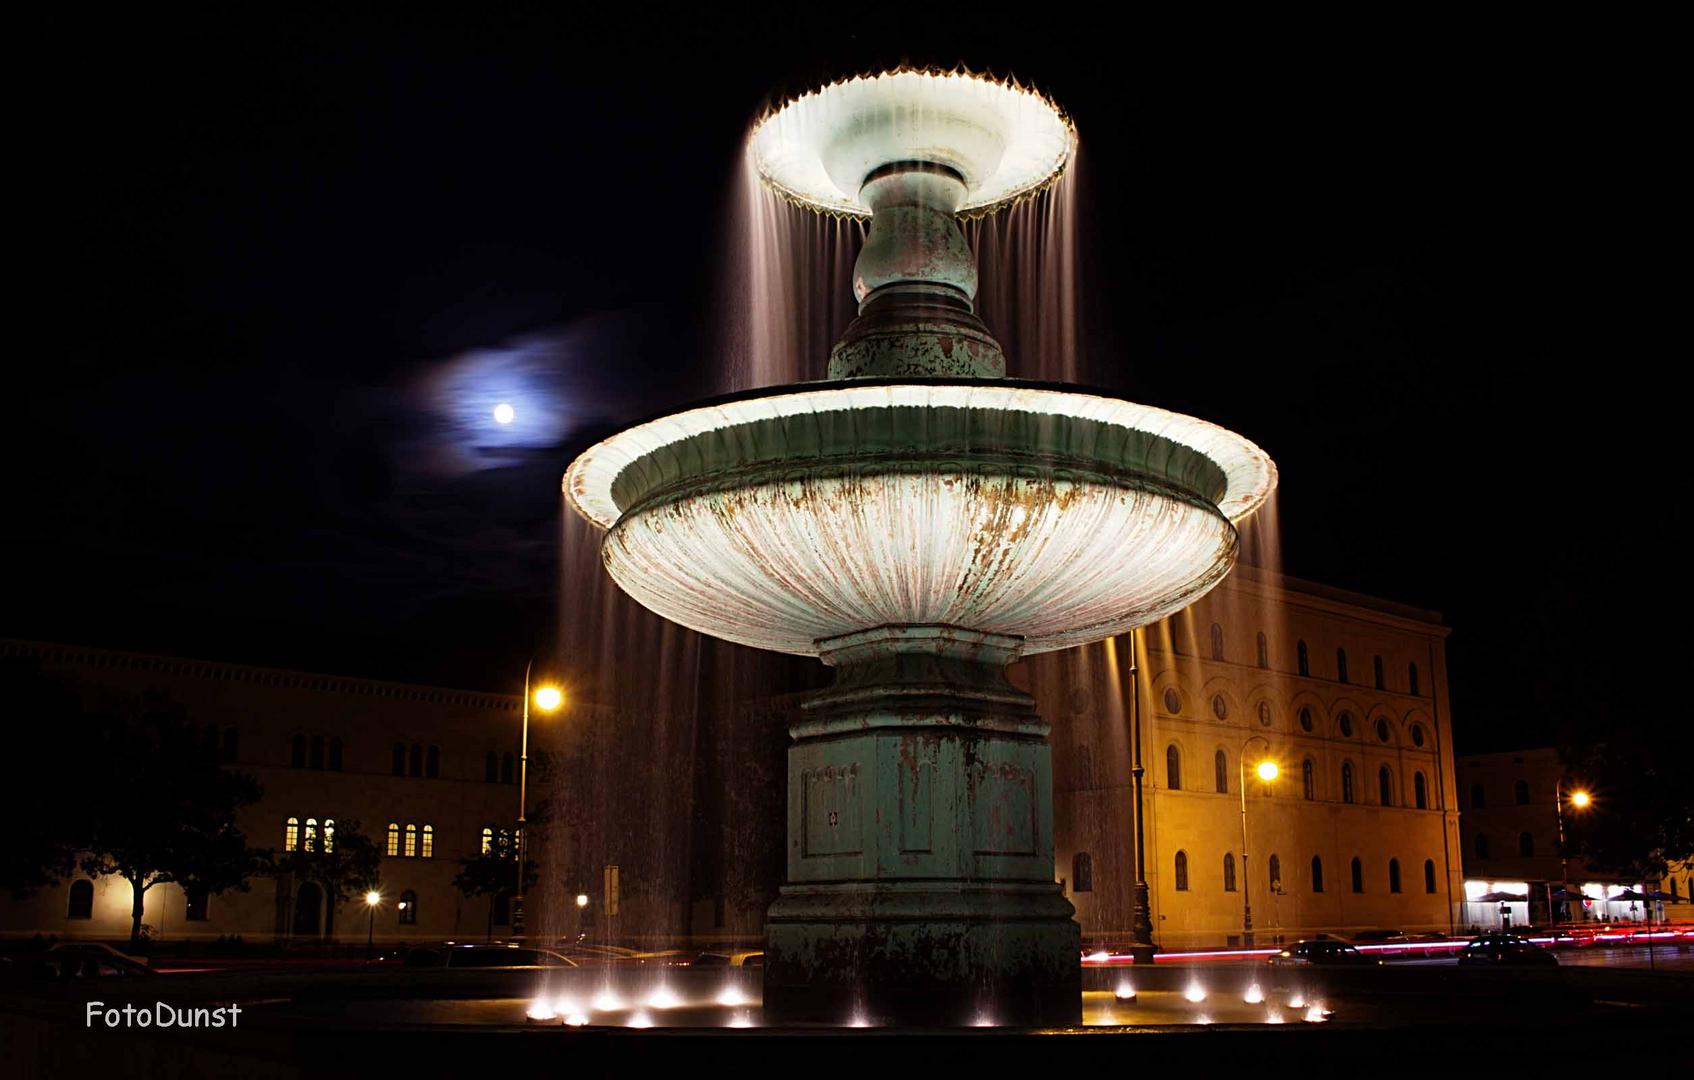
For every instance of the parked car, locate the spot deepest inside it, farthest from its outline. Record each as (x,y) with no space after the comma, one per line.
(1506,950)
(85,960)
(486,956)
(729,958)
(1320,952)
(1398,942)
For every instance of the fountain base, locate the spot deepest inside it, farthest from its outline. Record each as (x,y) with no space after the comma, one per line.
(920,844)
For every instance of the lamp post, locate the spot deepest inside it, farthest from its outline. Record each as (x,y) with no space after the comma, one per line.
(1141,916)
(372,899)
(1267,771)
(1580,800)
(547,698)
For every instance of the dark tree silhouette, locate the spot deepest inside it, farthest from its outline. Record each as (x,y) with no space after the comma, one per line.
(345,867)
(492,872)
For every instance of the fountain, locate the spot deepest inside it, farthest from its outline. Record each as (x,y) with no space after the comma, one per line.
(918,521)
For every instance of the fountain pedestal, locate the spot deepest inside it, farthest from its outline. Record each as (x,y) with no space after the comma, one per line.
(920,843)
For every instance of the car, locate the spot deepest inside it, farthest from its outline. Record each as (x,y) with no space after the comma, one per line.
(1377,937)
(86,960)
(486,956)
(1319,952)
(729,958)
(1400,943)
(1506,950)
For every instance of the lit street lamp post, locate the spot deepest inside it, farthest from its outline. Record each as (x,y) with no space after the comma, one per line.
(1141,917)
(1579,799)
(1266,771)
(547,698)
(372,899)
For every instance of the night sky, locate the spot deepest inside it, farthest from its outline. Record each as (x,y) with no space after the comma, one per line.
(275,263)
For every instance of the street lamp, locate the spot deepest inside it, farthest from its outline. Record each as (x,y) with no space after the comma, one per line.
(1266,771)
(1141,915)
(372,899)
(547,698)
(1579,799)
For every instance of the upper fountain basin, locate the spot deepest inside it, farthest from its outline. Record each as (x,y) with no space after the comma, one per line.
(1003,141)
(789,516)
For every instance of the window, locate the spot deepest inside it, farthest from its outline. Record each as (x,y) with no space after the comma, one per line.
(1082,872)
(1376,667)
(1264,714)
(1220,707)
(1358,875)
(1381,729)
(414,761)
(1345,723)
(1420,791)
(1429,876)
(1228,872)
(1175,625)
(407,908)
(1317,874)
(1481,846)
(199,901)
(1340,665)
(1220,770)
(432,763)
(411,840)
(428,849)
(1308,779)
(1182,871)
(491,768)
(1520,792)
(1385,786)
(82,900)
(231,740)
(399,767)
(1477,799)
(1305,719)
(487,840)
(297,752)
(1417,734)
(335,754)
(1394,875)
(1412,677)
(1526,845)
(1173,768)
(1347,781)
(291,835)
(1217,642)
(393,838)
(1303,658)
(310,842)
(506,768)
(329,834)
(317,751)
(1275,865)
(1264,651)
(1173,702)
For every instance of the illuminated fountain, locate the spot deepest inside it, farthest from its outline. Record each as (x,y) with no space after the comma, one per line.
(919,522)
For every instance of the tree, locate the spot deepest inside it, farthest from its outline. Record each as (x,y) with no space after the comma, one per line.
(161,808)
(344,862)
(1642,816)
(492,872)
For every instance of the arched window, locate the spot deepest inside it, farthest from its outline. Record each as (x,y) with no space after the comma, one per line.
(1084,767)
(1376,666)
(1429,876)
(1393,875)
(335,754)
(1264,714)
(1217,642)
(310,842)
(411,840)
(432,764)
(1305,719)
(1345,723)
(1308,779)
(487,841)
(1175,625)
(1420,791)
(1317,874)
(428,849)
(1358,875)
(1303,658)
(491,768)
(291,834)
(393,838)
(1220,772)
(1340,665)
(297,751)
(1264,651)
(1220,707)
(1347,781)
(1526,845)
(506,768)
(399,759)
(1382,732)
(82,900)
(414,761)
(1481,846)
(1412,677)
(329,835)
(1520,792)
(230,743)
(1228,872)
(1417,734)
(317,751)
(1173,767)
(1082,872)
(1275,865)
(1182,871)
(1477,799)
(1385,786)
(407,908)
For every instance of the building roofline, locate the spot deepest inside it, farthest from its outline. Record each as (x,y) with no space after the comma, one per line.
(1271,581)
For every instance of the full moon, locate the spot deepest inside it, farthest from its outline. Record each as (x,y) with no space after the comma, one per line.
(503,413)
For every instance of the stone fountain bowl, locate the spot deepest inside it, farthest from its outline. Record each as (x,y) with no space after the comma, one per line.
(789,516)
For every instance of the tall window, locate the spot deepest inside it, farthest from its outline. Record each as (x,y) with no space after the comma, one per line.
(297,751)
(1477,799)
(1317,874)
(1308,779)
(1264,651)
(1520,792)
(1376,667)
(1220,770)
(1303,658)
(291,834)
(1346,781)
(432,763)
(393,838)
(1481,846)
(407,908)
(411,840)
(1384,786)
(1420,791)
(317,751)
(1526,845)
(491,768)
(1182,871)
(1228,872)
(414,761)
(310,842)
(1173,767)
(82,900)
(1217,642)
(428,849)
(1393,875)
(1305,719)
(487,841)
(1382,731)
(1175,625)
(399,767)
(335,754)
(1429,876)
(506,768)
(329,834)
(1340,665)
(1358,875)
(1412,677)
(1275,865)
(1082,872)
